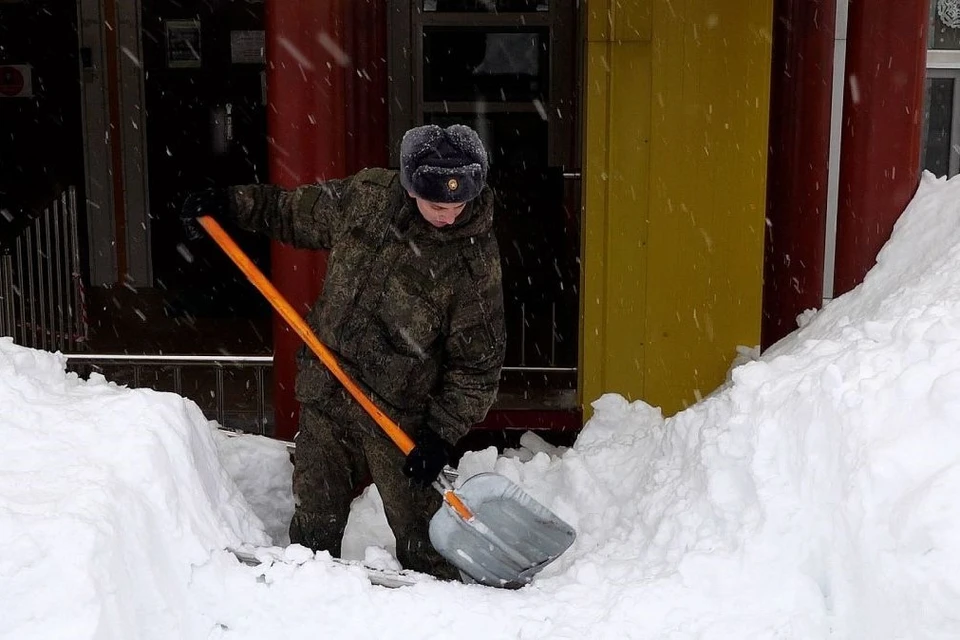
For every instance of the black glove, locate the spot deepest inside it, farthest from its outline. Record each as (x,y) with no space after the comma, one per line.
(209,202)
(427,458)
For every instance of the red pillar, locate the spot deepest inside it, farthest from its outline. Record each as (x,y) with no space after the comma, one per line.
(882,119)
(797,168)
(367,114)
(327,118)
(305,125)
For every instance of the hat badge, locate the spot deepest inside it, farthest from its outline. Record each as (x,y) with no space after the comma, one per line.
(452,184)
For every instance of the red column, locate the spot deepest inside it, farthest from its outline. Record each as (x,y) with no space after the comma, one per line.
(305,81)
(367,114)
(882,119)
(797,168)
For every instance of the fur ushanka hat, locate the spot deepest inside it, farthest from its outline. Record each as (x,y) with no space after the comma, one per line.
(443,165)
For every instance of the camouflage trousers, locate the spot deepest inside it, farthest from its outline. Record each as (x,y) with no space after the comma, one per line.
(330,464)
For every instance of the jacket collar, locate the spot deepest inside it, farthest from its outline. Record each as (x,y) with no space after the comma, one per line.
(476,219)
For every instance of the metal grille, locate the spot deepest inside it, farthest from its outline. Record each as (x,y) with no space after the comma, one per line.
(233,402)
(219,388)
(42,301)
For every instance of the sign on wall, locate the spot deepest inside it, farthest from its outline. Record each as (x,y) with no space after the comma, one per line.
(246,47)
(183,44)
(16,81)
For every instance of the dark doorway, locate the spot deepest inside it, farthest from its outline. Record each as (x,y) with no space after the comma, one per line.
(206,126)
(205,94)
(509,69)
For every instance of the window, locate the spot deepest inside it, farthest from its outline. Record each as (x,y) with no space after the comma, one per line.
(941,111)
(495,6)
(515,141)
(940,151)
(461,63)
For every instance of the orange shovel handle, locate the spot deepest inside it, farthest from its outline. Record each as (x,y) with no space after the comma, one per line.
(297,323)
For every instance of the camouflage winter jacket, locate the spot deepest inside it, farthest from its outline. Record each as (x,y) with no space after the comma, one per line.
(413,313)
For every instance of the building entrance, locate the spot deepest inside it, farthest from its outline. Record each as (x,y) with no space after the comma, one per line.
(509,69)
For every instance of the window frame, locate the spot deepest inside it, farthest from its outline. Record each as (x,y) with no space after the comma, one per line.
(949,73)
(943,64)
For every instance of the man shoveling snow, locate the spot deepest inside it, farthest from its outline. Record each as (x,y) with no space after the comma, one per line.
(412,309)
(813,497)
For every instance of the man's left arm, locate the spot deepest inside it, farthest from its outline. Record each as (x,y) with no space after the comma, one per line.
(474,349)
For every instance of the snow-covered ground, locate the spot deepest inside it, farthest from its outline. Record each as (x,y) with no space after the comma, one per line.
(814,496)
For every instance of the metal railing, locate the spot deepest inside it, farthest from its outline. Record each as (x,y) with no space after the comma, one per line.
(261,365)
(42,302)
(176,365)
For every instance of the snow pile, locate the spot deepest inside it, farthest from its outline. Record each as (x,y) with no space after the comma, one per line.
(816,494)
(263,470)
(812,497)
(107,496)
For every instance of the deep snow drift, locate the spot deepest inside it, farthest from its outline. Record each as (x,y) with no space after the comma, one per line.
(814,496)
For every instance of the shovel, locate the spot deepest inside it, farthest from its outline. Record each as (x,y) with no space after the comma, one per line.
(488,528)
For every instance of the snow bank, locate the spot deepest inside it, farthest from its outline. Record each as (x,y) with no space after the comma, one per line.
(107,497)
(263,471)
(812,497)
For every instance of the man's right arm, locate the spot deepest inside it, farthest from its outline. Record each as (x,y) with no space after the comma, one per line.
(308,217)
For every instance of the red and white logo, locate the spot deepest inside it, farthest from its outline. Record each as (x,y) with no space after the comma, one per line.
(16,81)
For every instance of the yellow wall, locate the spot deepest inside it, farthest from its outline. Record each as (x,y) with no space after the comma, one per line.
(676,99)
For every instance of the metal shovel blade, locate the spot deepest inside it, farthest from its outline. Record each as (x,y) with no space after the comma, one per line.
(509,539)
